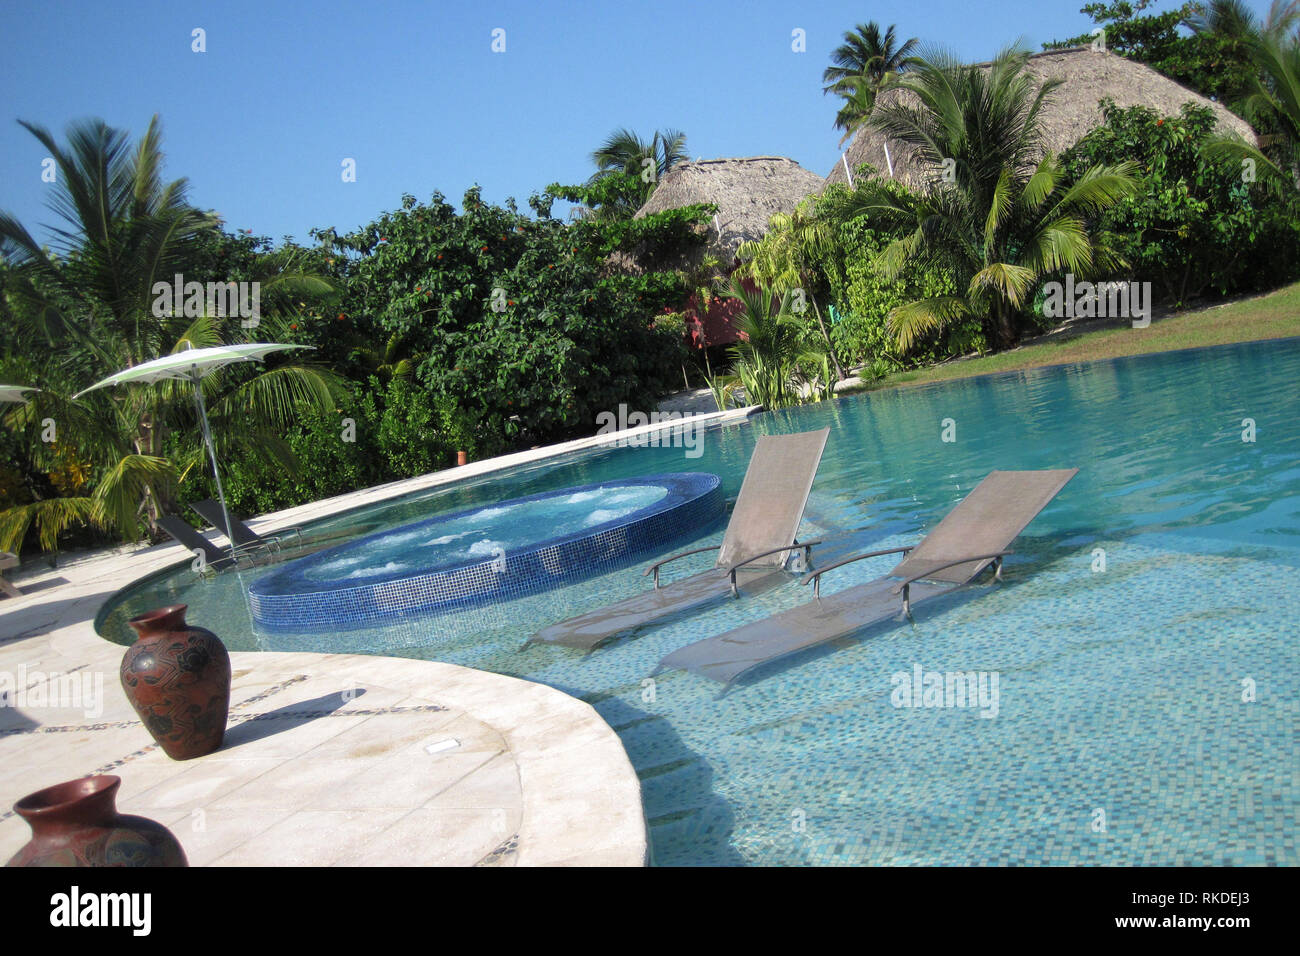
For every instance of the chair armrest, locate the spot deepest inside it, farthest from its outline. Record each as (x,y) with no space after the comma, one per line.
(657,565)
(807,556)
(997,555)
(284,533)
(793,546)
(815,576)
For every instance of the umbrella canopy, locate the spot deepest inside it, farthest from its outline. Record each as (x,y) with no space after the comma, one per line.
(191,365)
(14,393)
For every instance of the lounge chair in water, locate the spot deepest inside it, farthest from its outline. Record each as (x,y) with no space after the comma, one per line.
(759,539)
(181,532)
(241,537)
(973,536)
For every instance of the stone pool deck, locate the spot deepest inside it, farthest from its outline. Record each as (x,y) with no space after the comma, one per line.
(329,759)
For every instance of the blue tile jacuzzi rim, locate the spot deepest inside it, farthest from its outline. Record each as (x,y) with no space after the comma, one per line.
(285,601)
(681,486)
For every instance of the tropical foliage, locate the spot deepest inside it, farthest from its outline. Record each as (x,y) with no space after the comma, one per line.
(998,220)
(636,165)
(515,317)
(1197,223)
(860,325)
(772,362)
(1271,100)
(785,261)
(91,304)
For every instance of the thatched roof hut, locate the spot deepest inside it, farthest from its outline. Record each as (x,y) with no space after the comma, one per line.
(747,193)
(1070,112)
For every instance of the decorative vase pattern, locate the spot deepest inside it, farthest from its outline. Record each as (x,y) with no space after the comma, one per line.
(177,678)
(77,824)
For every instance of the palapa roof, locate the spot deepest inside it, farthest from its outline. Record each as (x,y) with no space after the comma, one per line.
(1070,112)
(746,191)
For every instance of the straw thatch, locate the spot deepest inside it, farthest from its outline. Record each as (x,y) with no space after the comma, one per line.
(747,193)
(1071,110)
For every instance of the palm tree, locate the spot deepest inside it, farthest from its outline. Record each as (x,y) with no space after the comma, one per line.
(1234,19)
(785,259)
(1273,45)
(1004,221)
(89,308)
(860,66)
(859,100)
(624,153)
(770,348)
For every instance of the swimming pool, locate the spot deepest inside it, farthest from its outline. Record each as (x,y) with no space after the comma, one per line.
(1144,638)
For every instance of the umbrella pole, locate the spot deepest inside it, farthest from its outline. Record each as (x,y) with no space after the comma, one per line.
(212,454)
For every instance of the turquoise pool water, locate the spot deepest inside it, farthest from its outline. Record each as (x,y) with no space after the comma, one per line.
(1144,639)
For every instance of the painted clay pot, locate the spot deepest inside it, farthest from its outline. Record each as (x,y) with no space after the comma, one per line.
(77,824)
(177,678)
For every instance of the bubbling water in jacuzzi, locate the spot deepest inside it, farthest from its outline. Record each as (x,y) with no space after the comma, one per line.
(488,532)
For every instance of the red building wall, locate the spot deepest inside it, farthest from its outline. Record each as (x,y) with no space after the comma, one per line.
(716,325)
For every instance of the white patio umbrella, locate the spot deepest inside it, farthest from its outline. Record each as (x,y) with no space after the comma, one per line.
(14,393)
(191,365)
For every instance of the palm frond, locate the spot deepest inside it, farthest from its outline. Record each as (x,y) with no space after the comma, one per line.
(131,480)
(1011,282)
(275,395)
(51,516)
(911,320)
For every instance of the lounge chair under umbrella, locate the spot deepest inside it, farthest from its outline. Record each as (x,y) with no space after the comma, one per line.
(185,535)
(240,535)
(192,365)
(751,559)
(973,536)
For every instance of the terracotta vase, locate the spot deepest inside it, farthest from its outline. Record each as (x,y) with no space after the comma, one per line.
(77,824)
(177,678)
(462,457)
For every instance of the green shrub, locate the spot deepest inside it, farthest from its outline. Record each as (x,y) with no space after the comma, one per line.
(333,456)
(409,433)
(867,298)
(517,318)
(1197,226)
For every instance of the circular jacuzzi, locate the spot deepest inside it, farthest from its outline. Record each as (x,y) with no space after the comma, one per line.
(485,554)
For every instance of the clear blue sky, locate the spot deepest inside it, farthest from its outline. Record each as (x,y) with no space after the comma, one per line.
(411,89)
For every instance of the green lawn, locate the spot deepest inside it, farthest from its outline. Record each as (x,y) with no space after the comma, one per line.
(1272,316)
